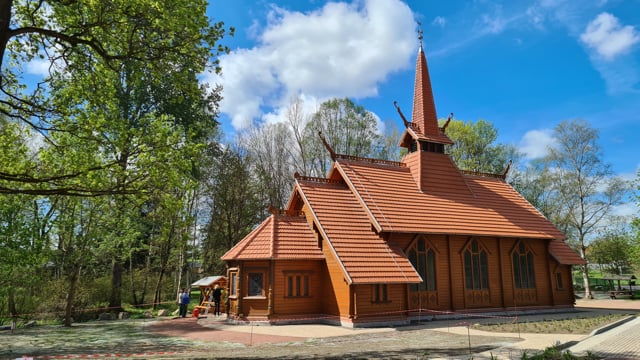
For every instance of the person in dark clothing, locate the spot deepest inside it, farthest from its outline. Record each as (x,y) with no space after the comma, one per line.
(184,303)
(217,295)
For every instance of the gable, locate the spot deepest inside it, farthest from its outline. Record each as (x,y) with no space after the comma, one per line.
(364,255)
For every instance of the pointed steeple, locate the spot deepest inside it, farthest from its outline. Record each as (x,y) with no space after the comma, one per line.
(424,109)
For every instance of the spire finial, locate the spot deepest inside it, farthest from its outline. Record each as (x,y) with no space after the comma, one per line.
(420,36)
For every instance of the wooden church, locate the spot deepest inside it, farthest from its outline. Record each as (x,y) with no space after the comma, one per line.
(382,242)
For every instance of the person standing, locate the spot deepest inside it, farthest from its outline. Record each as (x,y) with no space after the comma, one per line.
(184,303)
(217,295)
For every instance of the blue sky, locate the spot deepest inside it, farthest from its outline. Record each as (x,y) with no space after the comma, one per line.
(522,65)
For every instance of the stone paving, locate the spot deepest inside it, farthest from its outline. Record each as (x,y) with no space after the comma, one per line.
(622,342)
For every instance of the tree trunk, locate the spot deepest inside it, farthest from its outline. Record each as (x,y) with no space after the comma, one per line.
(117,268)
(585,273)
(132,283)
(12,303)
(73,282)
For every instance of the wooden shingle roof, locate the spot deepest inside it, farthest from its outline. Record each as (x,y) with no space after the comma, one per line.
(487,206)
(364,256)
(564,254)
(278,237)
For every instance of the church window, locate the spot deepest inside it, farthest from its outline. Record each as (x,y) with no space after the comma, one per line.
(423,259)
(476,270)
(523,267)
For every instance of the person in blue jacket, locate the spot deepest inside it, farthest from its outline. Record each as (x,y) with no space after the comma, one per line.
(184,303)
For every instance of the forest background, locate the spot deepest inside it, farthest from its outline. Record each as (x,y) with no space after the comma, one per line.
(116,189)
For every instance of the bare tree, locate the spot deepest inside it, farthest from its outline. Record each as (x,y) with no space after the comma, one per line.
(272,161)
(583,183)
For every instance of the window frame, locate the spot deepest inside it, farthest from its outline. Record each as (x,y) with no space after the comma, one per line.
(559,281)
(422,254)
(298,284)
(476,266)
(261,273)
(523,265)
(233,283)
(380,294)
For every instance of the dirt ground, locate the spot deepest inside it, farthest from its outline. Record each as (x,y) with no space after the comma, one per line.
(187,338)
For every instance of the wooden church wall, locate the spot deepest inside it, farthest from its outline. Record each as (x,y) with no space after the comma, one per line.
(563,292)
(304,298)
(336,291)
(452,293)
(254,306)
(367,305)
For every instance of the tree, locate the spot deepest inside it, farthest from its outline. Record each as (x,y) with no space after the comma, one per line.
(270,151)
(535,184)
(88,37)
(348,128)
(474,148)
(612,249)
(233,199)
(582,183)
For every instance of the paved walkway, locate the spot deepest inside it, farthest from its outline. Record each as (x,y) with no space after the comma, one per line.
(620,342)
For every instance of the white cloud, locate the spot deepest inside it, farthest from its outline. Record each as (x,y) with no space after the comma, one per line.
(493,24)
(535,143)
(439,21)
(627,209)
(339,50)
(39,67)
(608,37)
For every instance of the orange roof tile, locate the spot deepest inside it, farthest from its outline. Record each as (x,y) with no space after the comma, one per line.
(483,206)
(564,254)
(278,237)
(424,108)
(364,255)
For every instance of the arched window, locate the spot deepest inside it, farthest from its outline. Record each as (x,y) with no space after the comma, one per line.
(423,259)
(523,273)
(476,271)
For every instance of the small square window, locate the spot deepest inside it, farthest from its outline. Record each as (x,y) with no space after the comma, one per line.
(255,284)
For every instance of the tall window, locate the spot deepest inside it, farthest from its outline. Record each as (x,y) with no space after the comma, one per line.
(297,285)
(255,284)
(379,293)
(523,267)
(475,267)
(423,259)
(234,284)
(559,283)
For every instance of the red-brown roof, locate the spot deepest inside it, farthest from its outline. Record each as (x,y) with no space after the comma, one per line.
(459,204)
(564,254)
(364,256)
(278,237)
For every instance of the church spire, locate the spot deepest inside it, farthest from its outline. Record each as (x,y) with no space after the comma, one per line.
(424,108)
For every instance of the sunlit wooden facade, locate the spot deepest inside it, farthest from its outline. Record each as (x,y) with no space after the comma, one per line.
(388,242)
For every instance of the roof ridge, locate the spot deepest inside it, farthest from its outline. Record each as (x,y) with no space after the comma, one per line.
(483,174)
(360,199)
(370,160)
(299,177)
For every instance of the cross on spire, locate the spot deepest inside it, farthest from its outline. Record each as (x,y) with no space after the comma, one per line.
(419,31)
